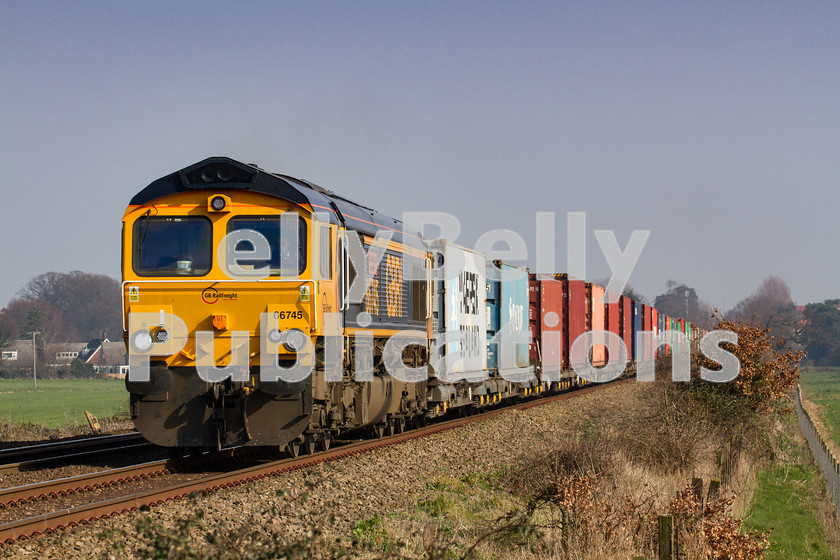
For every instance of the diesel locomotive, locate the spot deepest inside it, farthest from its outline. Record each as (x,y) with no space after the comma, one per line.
(258,310)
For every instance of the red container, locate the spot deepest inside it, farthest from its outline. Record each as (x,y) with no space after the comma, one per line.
(574,313)
(626,325)
(645,310)
(597,313)
(546,311)
(613,317)
(654,326)
(650,325)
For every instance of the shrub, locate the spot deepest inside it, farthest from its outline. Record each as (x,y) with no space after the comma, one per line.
(80,369)
(766,377)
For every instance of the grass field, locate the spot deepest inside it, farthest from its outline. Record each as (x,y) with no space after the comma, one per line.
(60,402)
(787,499)
(822,387)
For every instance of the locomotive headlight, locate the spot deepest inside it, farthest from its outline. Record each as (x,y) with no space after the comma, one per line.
(160,335)
(208,175)
(141,341)
(294,340)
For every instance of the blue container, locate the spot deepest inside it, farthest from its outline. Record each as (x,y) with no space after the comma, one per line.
(507,316)
(493,304)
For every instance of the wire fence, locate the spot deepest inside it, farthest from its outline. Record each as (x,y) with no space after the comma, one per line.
(822,454)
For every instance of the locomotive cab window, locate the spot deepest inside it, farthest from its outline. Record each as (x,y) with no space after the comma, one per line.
(286,236)
(172,246)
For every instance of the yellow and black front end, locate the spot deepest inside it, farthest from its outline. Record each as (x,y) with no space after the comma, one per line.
(227,271)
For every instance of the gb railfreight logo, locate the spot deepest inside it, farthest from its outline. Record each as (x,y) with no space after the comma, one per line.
(212,295)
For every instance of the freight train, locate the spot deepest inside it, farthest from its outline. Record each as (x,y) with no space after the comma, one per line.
(261,310)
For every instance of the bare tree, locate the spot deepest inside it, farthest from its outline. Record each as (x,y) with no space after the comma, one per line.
(8,328)
(770,307)
(705,319)
(30,315)
(89,303)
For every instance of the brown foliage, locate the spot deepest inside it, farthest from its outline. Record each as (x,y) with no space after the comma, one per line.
(714,528)
(766,376)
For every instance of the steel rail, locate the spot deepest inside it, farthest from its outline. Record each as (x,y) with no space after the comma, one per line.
(47,450)
(48,489)
(72,457)
(20,495)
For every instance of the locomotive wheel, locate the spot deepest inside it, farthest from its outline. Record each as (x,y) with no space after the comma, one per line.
(420,421)
(378,430)
(309,444)
(325,441)
(293,448)
(400,424)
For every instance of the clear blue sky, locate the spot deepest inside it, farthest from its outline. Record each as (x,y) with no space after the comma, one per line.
(716,126)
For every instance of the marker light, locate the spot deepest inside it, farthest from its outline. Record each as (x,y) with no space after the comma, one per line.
(218,203)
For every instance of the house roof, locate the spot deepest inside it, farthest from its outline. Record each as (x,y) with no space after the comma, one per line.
(115,353)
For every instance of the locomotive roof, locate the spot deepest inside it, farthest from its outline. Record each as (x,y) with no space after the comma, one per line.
(217,173)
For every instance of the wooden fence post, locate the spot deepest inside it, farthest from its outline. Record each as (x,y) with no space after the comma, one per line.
(714,486)
(697,486)
(666,537)
(94,423)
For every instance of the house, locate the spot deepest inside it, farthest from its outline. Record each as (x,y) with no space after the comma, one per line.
(17,354)
(105,356)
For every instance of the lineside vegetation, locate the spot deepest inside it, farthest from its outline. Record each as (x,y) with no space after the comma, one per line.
(598,493)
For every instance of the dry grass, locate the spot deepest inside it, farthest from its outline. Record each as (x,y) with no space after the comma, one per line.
(598,492)
(12,435)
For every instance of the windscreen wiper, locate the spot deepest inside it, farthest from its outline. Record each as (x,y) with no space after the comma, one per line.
(143,234)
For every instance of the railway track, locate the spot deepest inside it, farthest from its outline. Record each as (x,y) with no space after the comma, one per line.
(131,498)
(34,457)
